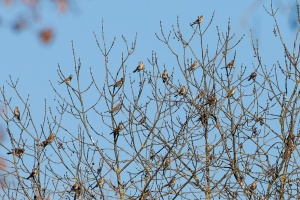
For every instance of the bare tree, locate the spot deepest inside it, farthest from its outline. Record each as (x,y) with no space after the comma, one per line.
(210,127)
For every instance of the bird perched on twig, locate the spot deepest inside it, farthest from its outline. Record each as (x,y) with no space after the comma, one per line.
(211,100)
(197,21)
(253,186)
(117,131)
(164,76)
(166,165)
(252,76)
(193,66)
(140,67)
(67,80)
(17,113)
(231,92)
(170,183)
(115,109)
(229,65)
(75,187)
(99,183)
(182,91)
(143,120)
(48,141)
(118,83)
(201,94)
(33,173)
(17,152)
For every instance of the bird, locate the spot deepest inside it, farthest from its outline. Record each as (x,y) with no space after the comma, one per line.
(78,192)
(67,80)
(166,165)
(17,152)
(118,83)
(211,100)
(117,108)
(33,173)
(17,113)
(182,91)
(231,92)
(117,131)
(193,66)
(75,187)
(252,76)
(119,128)
(143,120)
(198,21)
(144,195)
(253,186)
(140,67)
(48,141)
(99,183)
(201,94)
(164,76)
(170,183)
(230,65)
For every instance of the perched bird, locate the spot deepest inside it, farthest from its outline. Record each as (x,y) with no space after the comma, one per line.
(182,91)
(17,152)
(231,92)
(201,94)
(67,80)
(119,83)
(117,131)
(78,192)
(166,165)
(145,194)
(170,183)
(99,183)
(252,76)
(48,141)
(211,100)
(230,65)
(33,173)
(164,76)
(193,66)
(143,120)
(198,21)
(119,128)
(75,187)
(117,108)
(140,67)
(253,186)
(17,113)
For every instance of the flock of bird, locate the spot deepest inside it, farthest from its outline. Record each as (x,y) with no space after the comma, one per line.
(182,91)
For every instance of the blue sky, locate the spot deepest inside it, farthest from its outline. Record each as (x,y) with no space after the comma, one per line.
(24,57)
